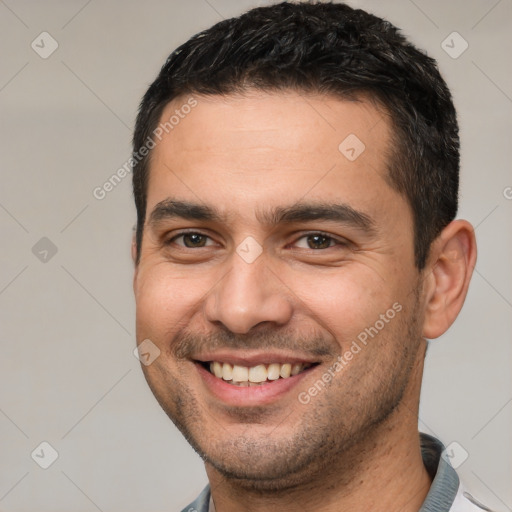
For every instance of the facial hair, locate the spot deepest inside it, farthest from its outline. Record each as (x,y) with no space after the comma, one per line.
(264,456)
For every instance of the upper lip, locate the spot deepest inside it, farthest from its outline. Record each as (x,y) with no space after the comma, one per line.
(249,359)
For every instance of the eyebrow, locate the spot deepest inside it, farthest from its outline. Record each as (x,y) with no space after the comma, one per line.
(170,209)
(306,212)
(298,212)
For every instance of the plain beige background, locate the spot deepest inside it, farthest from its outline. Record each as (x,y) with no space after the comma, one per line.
(68,374)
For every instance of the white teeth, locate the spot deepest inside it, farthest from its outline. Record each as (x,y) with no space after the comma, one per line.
(285,370)
(273,371)
(244,376)
(258,373)
(227,371)
(217,369)
(240,373)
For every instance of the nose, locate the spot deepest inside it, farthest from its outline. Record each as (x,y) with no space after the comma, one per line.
(249,294)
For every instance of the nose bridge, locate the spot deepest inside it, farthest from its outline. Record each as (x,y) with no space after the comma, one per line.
(247,295)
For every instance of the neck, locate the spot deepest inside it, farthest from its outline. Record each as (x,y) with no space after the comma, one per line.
(383,472)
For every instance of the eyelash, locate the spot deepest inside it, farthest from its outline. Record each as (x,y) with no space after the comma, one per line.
(304,235)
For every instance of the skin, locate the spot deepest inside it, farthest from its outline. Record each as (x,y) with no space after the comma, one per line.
(354,445)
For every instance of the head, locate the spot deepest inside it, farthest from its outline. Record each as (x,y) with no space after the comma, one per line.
(295,205)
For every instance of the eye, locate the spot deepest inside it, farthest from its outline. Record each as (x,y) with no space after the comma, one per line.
(191,240)
(317,241)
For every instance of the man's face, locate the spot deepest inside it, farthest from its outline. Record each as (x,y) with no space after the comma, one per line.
(269,248)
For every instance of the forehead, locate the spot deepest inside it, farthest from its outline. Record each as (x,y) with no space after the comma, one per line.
(287,120)
(241,150)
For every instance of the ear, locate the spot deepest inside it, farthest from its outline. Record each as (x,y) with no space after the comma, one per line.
(451,263)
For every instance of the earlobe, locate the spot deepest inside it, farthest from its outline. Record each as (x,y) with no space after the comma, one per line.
(453,257)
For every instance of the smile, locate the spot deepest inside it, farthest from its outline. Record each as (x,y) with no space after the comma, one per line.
(244,376)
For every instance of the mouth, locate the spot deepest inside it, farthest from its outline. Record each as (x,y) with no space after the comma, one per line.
(249,378)
(257,375)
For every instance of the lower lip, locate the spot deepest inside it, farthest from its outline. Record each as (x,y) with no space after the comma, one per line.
(250,395)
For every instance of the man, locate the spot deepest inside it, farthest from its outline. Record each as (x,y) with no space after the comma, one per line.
(296,180)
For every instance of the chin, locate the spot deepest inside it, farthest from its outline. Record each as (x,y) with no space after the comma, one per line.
(258,464)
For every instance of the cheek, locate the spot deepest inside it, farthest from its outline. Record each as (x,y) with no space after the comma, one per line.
(345,302)
(164,301)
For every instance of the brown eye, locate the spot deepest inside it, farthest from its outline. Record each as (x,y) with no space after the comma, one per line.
(191,240)
(194,240)
(319,241)
(316,241)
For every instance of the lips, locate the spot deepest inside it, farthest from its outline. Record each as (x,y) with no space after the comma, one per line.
(249,378)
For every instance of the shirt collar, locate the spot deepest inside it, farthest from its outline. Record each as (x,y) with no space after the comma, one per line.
(445,481)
